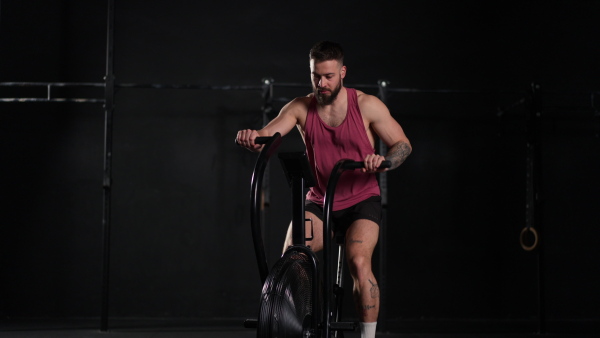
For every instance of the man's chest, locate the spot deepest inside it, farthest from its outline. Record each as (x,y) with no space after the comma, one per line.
(333,119)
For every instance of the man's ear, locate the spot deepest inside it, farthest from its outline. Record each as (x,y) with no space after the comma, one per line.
(343,72)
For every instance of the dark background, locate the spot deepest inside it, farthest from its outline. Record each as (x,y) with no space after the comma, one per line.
(180,241)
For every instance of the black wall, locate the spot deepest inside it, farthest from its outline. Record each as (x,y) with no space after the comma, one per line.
(180,242)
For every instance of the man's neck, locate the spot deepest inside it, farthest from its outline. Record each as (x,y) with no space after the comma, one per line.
(339,105)
(335,113)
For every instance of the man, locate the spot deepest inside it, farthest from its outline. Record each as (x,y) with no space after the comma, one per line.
(338,122)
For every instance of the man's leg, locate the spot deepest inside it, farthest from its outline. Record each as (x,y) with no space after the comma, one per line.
(361,239)
(317,231)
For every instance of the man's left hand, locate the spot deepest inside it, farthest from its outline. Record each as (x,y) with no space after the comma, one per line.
(372,163)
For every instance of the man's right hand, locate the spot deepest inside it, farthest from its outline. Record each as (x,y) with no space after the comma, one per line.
(246,137)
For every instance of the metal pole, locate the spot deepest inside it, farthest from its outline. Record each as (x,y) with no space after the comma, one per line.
(109,94)
(382,280)
(535,197)
(267,109)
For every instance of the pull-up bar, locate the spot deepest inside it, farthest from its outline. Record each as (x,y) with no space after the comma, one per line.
(49,87)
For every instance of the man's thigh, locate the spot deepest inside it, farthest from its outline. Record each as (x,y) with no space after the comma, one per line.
(361,238)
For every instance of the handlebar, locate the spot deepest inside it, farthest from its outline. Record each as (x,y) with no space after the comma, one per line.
(271,144)
(262,139)
(336,173)
(350,165)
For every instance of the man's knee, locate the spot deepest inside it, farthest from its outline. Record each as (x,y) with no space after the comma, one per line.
(359,265)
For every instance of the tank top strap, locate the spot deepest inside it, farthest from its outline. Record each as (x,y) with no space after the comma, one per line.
(352,99)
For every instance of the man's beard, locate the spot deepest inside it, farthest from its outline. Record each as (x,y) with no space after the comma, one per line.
(325,100)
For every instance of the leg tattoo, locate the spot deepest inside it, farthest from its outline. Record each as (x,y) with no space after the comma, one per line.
(366,308)
(374,290)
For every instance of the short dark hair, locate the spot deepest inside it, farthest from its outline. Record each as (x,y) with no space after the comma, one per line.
(327,50)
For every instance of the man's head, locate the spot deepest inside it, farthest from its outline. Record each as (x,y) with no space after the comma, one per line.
(327,71)
(327,50)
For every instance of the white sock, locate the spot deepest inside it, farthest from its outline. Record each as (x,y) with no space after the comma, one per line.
(367,330)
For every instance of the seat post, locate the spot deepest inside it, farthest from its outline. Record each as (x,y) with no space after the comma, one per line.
(299,176)
(298,223)
(340,239)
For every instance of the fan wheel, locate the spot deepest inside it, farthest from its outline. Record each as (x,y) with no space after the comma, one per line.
(286,304)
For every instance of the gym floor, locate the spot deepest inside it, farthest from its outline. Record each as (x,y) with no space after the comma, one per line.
(236,333)
(85,329)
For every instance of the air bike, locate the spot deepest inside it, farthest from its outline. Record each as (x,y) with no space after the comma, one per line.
(293,302)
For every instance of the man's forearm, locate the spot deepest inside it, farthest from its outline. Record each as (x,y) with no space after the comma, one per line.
(398,153)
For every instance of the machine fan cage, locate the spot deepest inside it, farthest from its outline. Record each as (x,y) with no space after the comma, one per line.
(286,305)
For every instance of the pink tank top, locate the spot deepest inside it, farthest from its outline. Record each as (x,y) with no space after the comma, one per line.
(326,145)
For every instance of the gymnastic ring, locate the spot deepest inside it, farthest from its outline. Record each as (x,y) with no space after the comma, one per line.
(535,236)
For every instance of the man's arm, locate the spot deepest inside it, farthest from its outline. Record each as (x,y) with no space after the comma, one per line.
(288,117)
(398,153)
(387,128)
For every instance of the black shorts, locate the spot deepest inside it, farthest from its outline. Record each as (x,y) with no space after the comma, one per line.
(342,219)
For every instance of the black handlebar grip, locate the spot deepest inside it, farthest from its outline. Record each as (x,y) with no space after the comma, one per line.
(262,139)
(358,165)
(385,164)
(258,140)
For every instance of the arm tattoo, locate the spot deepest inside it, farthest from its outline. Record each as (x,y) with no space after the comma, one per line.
(355,241)
(398,153)
(374,290)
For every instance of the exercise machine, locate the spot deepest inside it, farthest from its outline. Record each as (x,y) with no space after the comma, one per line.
(295,302)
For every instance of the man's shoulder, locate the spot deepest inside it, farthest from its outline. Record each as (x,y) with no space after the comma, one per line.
(366,100)
(305,99)
(364,97)
(300,103)
(370,105)
(297,109)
